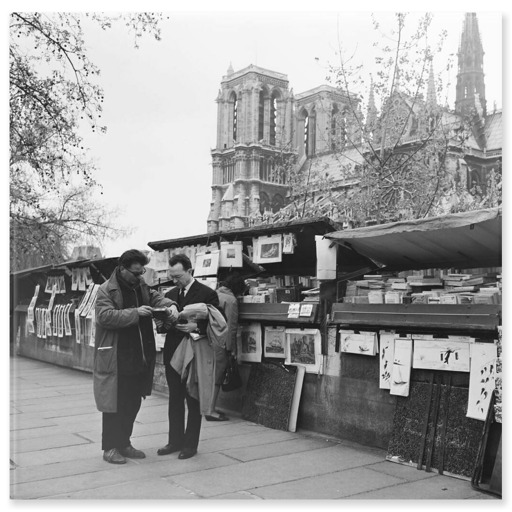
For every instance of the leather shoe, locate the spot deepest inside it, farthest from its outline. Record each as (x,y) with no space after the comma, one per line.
(113,456)
(186,454)
(167,449)
(132,453)
(221,417)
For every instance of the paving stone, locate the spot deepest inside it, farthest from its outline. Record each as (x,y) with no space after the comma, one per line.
(46,442)
(330,486)
(261,439)
(439,487)
(59,454)
(274,470)
(410,473)
(154,488)
(274,449)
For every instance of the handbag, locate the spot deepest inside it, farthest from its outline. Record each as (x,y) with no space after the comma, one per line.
(232,379)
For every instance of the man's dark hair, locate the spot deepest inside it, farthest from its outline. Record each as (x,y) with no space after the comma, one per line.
(180,258)
(128,258)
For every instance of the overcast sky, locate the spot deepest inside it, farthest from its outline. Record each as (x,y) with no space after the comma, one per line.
(155,163)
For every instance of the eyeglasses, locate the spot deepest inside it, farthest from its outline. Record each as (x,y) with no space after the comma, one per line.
(136,274)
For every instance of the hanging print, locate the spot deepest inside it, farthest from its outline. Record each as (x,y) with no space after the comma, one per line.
(401,371)
(303,347)
(250,338)
(481,379)
(275,342)
(441,354)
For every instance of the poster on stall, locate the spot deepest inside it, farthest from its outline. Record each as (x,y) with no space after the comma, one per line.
(401,370)
(207,264)
(60,326)
(88,277)
(326,252)
(364,343)
(48,323)
(289,243)
(274,342)
(81,279)
(30,311)
(304,347)
(481,379)
(67,322)
(267,249)
(74,279)
(441,354)
(231,254)
(55,331)
(250,337)
(387,350)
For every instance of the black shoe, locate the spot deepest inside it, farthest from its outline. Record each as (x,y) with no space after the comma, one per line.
(132,453)
(167,449)
(113,456)
(221,417)
(186,454)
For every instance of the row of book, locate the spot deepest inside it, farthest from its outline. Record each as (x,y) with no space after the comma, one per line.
(281,289)
(414,288)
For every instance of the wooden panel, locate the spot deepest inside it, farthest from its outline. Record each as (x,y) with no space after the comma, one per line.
(275,313)
(445,316)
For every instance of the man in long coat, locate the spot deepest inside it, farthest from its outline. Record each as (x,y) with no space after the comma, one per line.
(125,352)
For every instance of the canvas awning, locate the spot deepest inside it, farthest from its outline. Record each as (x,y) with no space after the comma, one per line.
(460,240)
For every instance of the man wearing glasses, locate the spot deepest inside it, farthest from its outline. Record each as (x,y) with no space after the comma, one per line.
(125,352)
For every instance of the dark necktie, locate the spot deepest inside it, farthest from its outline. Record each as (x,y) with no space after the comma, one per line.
(181,297)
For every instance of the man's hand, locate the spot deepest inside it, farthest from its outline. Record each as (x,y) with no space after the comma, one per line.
(145,310)
(172,313)
(187,328)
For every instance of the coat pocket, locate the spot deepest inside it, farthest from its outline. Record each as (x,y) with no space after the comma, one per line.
(105,361)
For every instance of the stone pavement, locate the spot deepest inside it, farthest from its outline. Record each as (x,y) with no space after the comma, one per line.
(55,453)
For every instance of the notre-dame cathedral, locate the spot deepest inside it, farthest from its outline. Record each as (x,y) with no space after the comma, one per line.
(260,121)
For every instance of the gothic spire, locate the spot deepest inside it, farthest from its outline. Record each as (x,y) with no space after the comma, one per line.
(431,90)
(470,75)
(371,115)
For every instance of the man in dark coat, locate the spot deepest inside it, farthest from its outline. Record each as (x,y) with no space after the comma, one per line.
(188,291)
(124,357)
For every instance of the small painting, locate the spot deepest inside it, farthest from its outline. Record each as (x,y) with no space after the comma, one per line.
(275,339)
(250,340)
(303,347)
(268,249)
(207,264)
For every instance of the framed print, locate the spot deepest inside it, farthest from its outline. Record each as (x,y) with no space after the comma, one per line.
(401,370)
(274,342)
(482,377)
(207,264)
(364,343)
(74,279)
(289,243)
(250,339)
(67,323)
(82,286)
(303,347)
(231,254)
(386,356)
(268,249)
(326,254)
(441,354)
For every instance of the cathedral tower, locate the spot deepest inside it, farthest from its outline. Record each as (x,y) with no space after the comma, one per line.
(254,129)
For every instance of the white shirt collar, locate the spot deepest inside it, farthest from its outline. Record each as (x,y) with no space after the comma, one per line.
(187,288)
